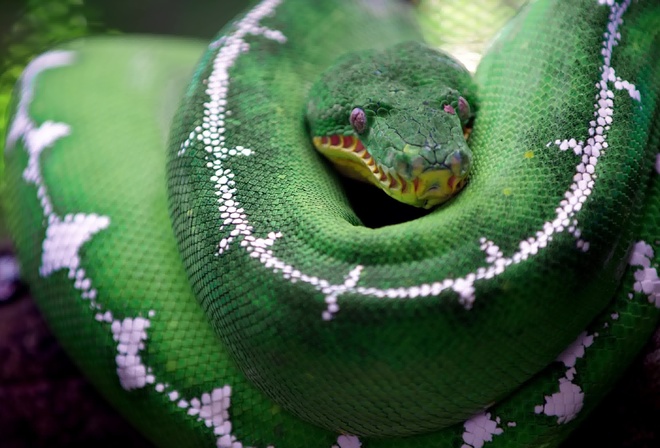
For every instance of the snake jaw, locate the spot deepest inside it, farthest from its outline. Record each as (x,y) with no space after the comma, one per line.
(349,156)
(425,188)
(438,186)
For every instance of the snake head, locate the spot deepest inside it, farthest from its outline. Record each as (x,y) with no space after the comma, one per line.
(422,147)
(397,119)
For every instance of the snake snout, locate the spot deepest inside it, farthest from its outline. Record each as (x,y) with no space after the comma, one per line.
(444,178)
(458,162)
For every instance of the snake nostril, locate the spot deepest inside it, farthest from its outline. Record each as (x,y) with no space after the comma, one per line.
(453,159)
(458,162)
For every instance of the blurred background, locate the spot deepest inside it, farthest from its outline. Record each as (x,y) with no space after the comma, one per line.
(44,400)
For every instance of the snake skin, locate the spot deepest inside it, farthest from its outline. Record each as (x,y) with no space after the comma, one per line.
(331,333)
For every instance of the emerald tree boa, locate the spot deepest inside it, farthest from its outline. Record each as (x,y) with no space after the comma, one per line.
(227,294)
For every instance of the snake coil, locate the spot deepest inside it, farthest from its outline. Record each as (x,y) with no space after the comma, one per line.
(273,317)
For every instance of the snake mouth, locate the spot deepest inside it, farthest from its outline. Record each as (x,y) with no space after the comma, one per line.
(426,189)
(349,156)
(439,186)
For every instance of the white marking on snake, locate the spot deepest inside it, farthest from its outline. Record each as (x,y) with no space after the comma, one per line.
(567,403)
(211,133)
(576,350)
(564,221)
(231,47)
(480,429)
(646,278)
(131,334)
(64,238)
(213,410)
(22,124)
(583,180)
(61,250)
(575,196)
(347,441)
(66,235)
(331,299)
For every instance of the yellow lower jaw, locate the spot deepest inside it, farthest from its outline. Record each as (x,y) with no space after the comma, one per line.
(351,158)
(438,186)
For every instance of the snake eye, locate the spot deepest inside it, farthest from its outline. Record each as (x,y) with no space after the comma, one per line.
(463,109)
(358,120)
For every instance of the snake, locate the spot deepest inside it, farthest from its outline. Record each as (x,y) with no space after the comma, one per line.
(214,277)
(405,133)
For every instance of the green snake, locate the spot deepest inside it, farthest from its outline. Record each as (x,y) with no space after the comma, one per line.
(396,119)
(226,293)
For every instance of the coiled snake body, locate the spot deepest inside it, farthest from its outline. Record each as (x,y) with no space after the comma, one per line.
(498,319)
